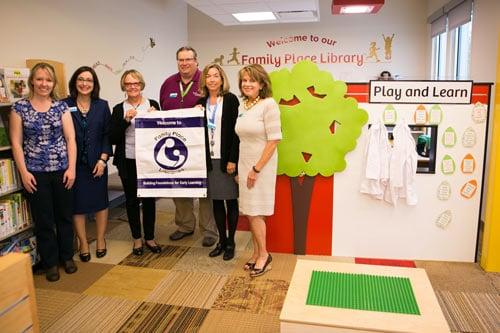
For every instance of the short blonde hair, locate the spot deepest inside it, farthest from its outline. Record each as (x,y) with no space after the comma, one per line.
(203,80)
(136,75)
(52,73)
(259,74)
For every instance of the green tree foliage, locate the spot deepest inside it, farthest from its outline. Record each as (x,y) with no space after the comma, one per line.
(319,124)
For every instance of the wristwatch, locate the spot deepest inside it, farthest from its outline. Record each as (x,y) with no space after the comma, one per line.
(104,161)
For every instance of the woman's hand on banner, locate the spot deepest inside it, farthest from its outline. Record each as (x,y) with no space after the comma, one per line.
(130,114)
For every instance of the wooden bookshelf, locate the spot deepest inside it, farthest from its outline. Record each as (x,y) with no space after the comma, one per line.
(17,295)
(6,153)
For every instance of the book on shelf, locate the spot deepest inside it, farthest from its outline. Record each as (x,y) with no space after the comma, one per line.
(9,177)
(15,83)
(4,98)
(24,242)
(4,136)
(14,214)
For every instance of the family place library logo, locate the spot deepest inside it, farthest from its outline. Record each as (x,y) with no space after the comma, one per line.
(330,54)
(170,153)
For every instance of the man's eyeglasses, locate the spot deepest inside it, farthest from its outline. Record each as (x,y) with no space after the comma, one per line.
(185,60)
(132,84)
(82,80)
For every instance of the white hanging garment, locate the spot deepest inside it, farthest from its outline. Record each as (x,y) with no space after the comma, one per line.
(402,166)
(375,177)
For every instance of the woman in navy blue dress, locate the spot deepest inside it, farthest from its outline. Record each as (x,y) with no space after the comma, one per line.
(91,118)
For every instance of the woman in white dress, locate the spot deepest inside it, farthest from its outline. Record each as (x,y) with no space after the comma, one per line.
(259,129)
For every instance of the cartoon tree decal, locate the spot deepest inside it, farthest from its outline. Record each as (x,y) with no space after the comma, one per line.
(320,126)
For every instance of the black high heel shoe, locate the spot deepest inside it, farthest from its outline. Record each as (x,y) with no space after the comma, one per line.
(84,257)
(99,253)
(153,248)
(259,271)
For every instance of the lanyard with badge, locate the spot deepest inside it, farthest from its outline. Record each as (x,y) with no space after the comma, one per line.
(212,112)
(184,92)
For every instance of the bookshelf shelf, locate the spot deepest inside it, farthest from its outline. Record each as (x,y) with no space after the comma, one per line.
(2,238)
(10,191)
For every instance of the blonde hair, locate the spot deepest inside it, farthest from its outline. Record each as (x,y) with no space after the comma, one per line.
(52,73)
(203,80)
(259,74)
(136,75)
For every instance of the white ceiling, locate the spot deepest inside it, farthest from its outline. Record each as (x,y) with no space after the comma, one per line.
(286,11)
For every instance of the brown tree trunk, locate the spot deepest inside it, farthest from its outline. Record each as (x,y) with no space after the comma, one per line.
(301,197)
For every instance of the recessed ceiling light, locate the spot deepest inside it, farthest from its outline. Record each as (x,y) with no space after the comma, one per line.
(356,6)
(356,9)
(254,16)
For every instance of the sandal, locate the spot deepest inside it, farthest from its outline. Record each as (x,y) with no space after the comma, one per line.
(248,266)
(259,271)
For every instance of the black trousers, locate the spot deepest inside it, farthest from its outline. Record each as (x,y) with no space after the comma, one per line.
(132,204)
(52,211)
(221,215)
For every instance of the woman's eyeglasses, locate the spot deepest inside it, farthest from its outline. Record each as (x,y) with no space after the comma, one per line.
(131,84)
(83,80)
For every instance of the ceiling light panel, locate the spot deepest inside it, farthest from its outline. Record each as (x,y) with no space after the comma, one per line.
(295,10)
(255,16)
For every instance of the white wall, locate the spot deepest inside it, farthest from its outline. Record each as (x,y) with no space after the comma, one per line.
(83,32)
(406,19)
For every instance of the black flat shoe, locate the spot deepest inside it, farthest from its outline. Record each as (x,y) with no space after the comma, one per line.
(259,271)
(217,251)
(84,257)
(138,251)
(153,248)
(52,274)
(99,253)
(228,253)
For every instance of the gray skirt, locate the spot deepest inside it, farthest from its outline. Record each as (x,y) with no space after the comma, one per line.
(221,186)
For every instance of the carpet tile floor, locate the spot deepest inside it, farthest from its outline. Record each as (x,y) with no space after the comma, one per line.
(181,289)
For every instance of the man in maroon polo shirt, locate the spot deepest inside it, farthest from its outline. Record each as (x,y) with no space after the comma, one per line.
(181,91)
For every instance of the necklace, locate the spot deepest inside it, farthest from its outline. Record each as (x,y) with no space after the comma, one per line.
(136,105)
(248,105)
(82,108)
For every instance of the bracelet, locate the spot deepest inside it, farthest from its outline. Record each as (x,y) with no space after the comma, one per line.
(255,169)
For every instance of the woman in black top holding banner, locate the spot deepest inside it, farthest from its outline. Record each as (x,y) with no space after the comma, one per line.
(123,136)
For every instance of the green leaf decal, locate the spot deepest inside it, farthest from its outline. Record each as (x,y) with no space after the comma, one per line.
(319,124)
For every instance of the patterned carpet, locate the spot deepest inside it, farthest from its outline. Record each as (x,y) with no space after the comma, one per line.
(183,290)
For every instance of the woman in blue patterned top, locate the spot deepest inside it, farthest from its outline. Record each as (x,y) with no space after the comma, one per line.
(44,148)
